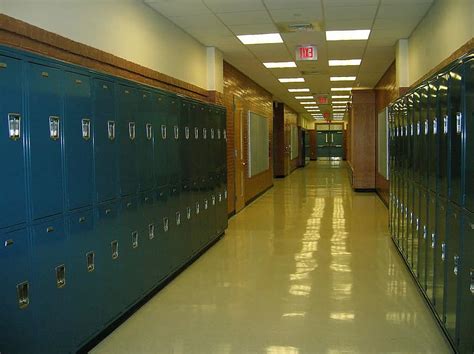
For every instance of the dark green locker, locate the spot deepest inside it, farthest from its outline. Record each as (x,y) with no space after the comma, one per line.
(405,220)
(417,138)
(12,143)
(196,219)
(410,222)
(174,167)
(175,229)
(83,277)
(433,154)
(430,246)
(105,142)
(416,228)
(145,141)
(127,135)
(194,140)
(323,148)
(443,127)
(423,237)
(424,137)
(185,153)
(50,287)
(452,255)
(45,137)
(149,272)
(469,136)
(440,258)
(160,105)
(466,289)
(456,128)
(165,238)
(17,305)
(78,140)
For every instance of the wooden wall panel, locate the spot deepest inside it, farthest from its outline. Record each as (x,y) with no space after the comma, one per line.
(256,99)
(279,140)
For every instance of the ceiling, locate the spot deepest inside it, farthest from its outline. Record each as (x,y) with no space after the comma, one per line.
(216,23)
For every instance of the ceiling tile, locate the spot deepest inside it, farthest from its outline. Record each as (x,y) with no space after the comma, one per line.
(310,14)
(350,12)
(338,3)
(254,29)
(271,52)
(285,4)
(221,6)
(341,51)
(245,18)
(205,21)
(178,7)
(402,10)
(337,24)
(304,38)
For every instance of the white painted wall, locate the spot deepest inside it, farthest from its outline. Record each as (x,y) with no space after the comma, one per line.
(447,26)
(126,28)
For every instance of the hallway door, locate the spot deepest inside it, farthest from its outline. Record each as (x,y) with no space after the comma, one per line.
(239,121)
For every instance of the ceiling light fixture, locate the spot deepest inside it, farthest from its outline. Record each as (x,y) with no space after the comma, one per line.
(280,64)
(311,107)
(342,78)
(341,88)
(291,79)
(303,97)
(260,38)
(308,102)
(299,90)
(350,35)
(339,96)
(345,62)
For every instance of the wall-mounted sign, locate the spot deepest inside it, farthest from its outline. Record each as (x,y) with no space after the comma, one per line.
(306,52)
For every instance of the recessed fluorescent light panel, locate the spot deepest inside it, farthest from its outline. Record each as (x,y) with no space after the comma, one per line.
(341,88)
(342,78)
(280,64)
(351,35)
(260,38)
(339,96)
(347,62)
(308,102)
(313,110)
(291,79)
(311,107)
(304,97)
(299,90)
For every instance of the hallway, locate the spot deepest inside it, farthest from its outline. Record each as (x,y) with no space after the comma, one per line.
(309,267)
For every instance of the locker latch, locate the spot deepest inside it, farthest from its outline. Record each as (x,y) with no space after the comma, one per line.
(204,133)
(163,132)
(115,249)
(427,127)
(425,232)
(176,132)
(14,122)
(149,131)
(456,265)
(186,133)
(417,224)
(134,239)
(471,287)
(131,130)
(197,208)
(196,133)
(443,251)
(418,128)
(445,124)
(151,231)
(433,240)
(111,129)
(435,126)
(458,122)
(220,197)
(225,194)
(22,291)
(205,204)
(218,134)
(188,213)
(213,198)
(86,129)
(225,134)
(60,276)
(54,127)
(90,257)
(178,218)
(411,129)
(165,225)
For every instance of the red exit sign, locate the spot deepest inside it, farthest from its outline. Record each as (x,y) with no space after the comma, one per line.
(322,99)
(307,52)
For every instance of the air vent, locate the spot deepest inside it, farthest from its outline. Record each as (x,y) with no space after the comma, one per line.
(288,27)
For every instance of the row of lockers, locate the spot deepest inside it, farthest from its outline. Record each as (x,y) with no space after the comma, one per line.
(108,188)
(82,127)
(431,194)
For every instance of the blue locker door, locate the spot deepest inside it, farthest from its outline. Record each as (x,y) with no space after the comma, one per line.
(12,143)
(45,107)
(127,134)
(78,140)
(51,264)
(443,130)
(423,237)
(164,261)
(175,139)
(176,232)
(440,258)
(110,262)
(105,142)
(17,304)
(83,276)
(162,138)
(469,135)
(149,237)
(416,228)
(431,244)
(145,141)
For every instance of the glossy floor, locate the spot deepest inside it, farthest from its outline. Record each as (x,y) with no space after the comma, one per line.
(307,268)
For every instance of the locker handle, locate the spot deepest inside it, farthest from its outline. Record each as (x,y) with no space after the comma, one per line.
(218,134)
(49,229)
(326,138)
(213,199)
(443,251)
(433,240)
(427,127)
(111,129)
(134,239)
(197,208)
(204,133)
(418,128)
(225,134)
(22,290)
(61,276)
(205,204)
(458,122)
(212,133)
(225,194)
(178,218)
(8,243)
(151,231)
(165,224)
(149,131)
(82,219)
(188,213)
(220,197)
(186,133)
(456,265)
(54,127)
(176,132)
(471,287)
(90,257)
(332,138)
(163,132)
(435,126)
(338,146)
(108,211)
(131,130)
(114,245)
(425,233)
(196,133)
(445,124)
(129,204)
(3,65)
(14,126)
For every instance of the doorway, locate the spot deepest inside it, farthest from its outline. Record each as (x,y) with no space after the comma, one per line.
(240,163)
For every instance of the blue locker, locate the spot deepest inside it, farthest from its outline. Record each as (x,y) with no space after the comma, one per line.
(145,141)
(52,291)
(196,219)
(45,104)
(12,143)
(78,140)
(423,237)
(440,258)
(127,134)
(17,303)
(185,152)
(433,158)
(176,135)
(165,254)
(84,276)
(431,245)
(416,228)
(160,105)
(443,129)
(105,141)
(175,226)
(110,262)
(148,229)
(469,135)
